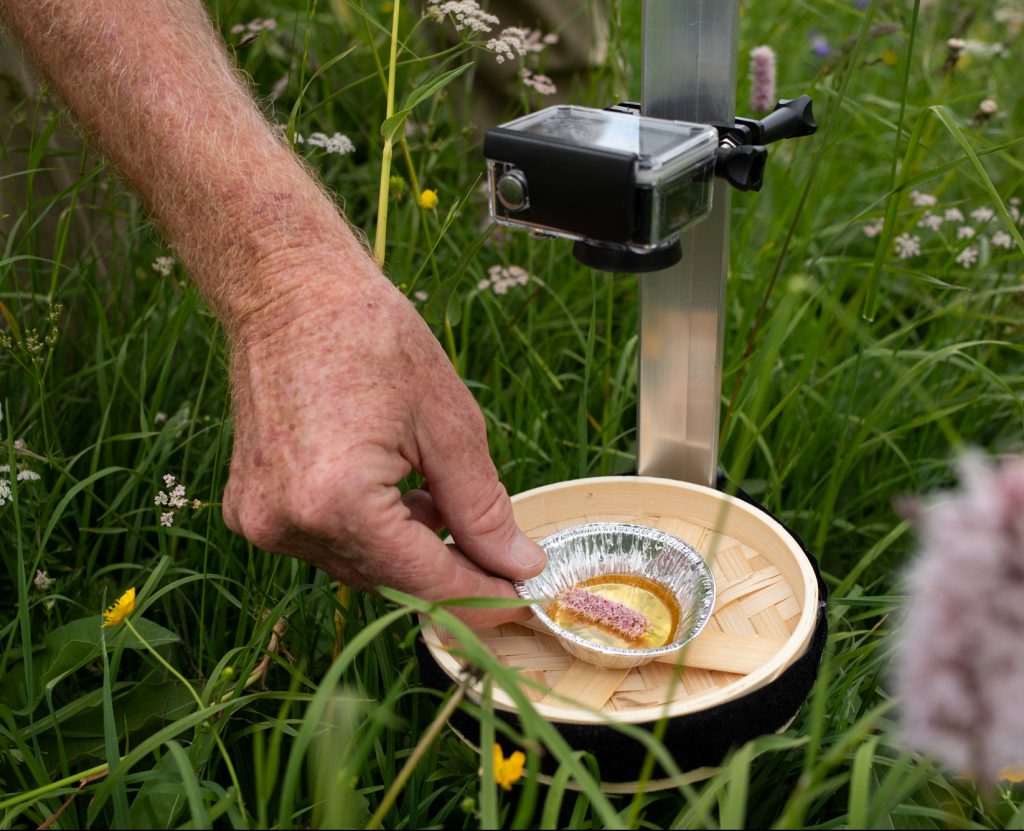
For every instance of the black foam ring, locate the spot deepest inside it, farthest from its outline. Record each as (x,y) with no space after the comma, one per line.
(700,739)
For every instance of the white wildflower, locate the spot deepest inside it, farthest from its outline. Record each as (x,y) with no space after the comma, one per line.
(965,232)
(1001,239)
(5,492)
(873,229)
(160,417)
(28,476)
(953,215)
(930,220)
(501,278)
(173,497)
(550,39)
(254,27)
(421,296)
(541,84)
(984,49)
(536,42)
(982,214)
(907,246)
(510,44)
(43,581)
(921,199)
(968,257)
(988,107)
(1011,14)
(196,504)
(465,14)
(163,266)
(337,143)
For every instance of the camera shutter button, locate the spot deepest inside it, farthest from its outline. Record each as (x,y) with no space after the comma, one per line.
(512,192)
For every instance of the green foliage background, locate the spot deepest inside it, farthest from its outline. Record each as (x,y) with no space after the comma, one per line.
(827,417)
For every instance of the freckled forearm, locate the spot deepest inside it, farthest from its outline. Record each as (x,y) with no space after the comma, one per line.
(151,82)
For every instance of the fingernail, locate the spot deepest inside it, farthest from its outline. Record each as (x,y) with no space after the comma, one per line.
(528,556)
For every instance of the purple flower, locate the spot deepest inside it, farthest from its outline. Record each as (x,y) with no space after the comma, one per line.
(960,655)
(762,71)
(820,45)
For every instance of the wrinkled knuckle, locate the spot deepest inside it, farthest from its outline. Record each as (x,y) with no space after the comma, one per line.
(258,526)
(492,512)
(325,502)
(227,511)
(311,517)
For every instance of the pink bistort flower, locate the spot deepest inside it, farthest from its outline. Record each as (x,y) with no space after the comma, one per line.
(960,654)
(762,71)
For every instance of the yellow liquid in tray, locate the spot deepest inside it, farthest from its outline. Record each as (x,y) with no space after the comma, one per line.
(647,597)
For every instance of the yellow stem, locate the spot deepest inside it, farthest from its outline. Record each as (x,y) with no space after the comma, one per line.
(73,779)
(385,164)
(426,740)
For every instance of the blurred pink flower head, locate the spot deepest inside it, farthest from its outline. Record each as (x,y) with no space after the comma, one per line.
(762,71)
(960,653)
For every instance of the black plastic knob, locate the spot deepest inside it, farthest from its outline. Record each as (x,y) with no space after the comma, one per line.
(743,166)
(792,117)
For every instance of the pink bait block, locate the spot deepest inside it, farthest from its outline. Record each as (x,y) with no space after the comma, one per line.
(604,612)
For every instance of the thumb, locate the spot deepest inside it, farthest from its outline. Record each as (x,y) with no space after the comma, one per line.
(474,504)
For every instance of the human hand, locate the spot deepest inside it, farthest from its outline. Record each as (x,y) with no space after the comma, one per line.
(341,391)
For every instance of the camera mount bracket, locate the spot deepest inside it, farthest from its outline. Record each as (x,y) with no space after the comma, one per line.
(740,160)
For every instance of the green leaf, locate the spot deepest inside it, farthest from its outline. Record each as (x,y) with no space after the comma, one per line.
(67,649)
(949,122)
(391,126)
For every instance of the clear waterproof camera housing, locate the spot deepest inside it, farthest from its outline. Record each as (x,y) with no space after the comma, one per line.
(611,179)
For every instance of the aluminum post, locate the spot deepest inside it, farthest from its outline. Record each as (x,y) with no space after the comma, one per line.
(689,74)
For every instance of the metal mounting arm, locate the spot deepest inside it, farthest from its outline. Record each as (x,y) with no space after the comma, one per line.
(689,74)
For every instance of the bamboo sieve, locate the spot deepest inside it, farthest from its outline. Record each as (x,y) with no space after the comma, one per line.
(744,675)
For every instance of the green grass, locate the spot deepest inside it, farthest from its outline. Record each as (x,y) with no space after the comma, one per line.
(851,378)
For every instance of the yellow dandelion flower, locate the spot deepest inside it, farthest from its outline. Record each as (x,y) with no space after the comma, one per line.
(428,199)
(889,57)
(123,607)
(508,771)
